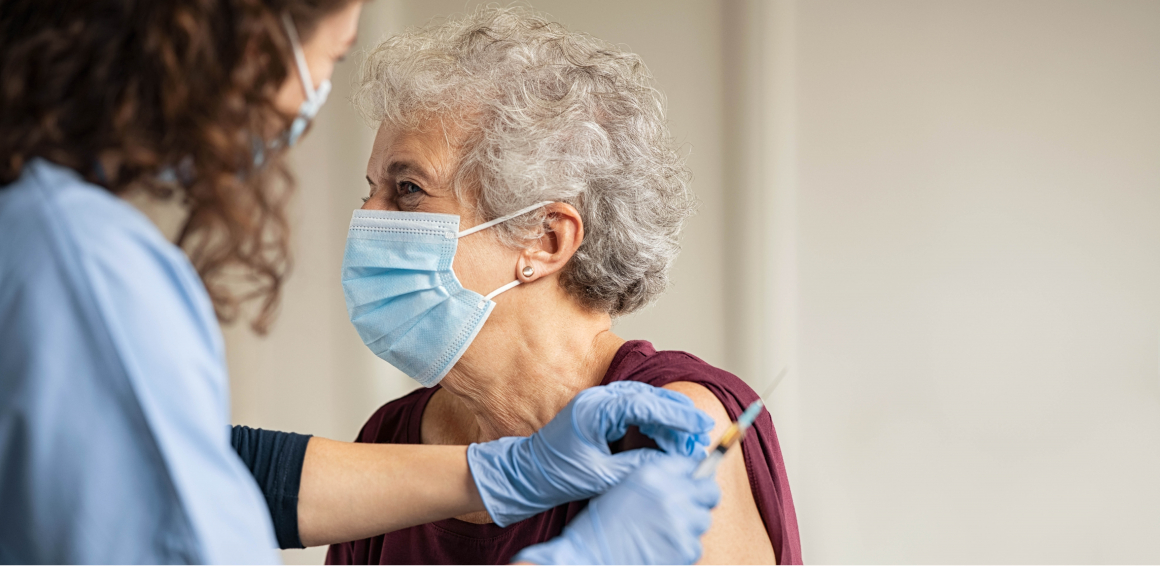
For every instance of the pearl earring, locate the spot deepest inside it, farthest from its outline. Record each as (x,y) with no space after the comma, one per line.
(528,271)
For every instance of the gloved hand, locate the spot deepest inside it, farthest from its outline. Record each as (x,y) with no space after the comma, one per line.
(569,458)
(655,516)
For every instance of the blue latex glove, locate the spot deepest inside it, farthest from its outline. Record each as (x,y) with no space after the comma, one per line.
(656,516)
(569,458)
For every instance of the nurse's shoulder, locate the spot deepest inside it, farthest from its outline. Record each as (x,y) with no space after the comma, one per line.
(113,392)
(51,215)
(73,250)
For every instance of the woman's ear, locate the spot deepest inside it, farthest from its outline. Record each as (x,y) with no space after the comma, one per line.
(562,237)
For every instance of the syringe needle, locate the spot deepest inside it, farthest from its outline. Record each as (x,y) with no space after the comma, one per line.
(731,437)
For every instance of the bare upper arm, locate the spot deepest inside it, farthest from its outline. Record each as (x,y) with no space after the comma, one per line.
(738,535)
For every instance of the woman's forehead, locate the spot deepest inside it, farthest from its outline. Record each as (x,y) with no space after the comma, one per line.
(427,151)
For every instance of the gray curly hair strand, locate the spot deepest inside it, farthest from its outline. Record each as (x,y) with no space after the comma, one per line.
(549,115)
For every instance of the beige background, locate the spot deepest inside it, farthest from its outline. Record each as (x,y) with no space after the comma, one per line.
(939,218)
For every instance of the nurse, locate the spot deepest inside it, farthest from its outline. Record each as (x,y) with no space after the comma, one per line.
(114,406)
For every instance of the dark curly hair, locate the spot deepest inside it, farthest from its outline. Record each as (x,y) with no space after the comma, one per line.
(165,85)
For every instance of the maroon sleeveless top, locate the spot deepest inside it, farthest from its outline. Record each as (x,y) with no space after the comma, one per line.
(458,542)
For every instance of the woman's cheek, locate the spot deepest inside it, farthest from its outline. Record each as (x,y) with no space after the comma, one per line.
(482,264)
(466,267)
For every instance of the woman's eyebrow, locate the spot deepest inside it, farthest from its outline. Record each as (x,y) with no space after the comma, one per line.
(397,168)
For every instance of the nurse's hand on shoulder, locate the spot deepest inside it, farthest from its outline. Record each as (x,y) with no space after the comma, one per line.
(655,516)
(569,458)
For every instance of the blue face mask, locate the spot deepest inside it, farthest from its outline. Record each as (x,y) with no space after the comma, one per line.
(315,98)
(402,295)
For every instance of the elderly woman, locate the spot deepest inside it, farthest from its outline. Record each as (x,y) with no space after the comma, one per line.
(539,161)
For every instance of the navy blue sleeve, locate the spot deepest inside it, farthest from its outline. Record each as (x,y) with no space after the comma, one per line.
(275,459)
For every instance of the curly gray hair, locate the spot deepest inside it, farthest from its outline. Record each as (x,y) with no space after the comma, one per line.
(548,115)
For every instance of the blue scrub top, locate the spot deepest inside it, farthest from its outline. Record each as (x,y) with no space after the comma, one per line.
(114,400)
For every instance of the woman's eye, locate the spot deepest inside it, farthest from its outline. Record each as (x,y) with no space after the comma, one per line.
(408,188)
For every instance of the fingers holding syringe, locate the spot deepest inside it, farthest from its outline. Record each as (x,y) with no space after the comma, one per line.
(668,417)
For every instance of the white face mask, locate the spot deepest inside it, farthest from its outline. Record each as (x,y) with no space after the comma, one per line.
(315,98)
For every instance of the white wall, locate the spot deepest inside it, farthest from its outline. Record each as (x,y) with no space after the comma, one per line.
(979,227)
(939,218)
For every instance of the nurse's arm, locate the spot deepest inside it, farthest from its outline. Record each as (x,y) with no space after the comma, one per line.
(351,491)
(321,491)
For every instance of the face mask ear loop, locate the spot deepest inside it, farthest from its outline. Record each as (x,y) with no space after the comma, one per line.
(487,225)
(492,294)
(299,57)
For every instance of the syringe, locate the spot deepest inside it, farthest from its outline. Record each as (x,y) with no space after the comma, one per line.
(732,436)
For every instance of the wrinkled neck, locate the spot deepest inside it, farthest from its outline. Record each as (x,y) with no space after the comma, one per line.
(528,363)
